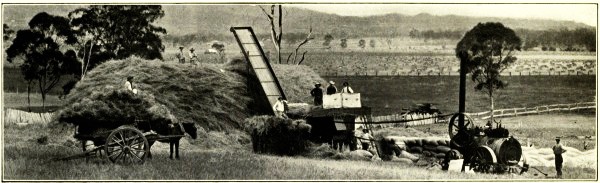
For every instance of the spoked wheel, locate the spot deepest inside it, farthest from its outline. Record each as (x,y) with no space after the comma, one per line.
(126,145)
(483,160)
(454,128)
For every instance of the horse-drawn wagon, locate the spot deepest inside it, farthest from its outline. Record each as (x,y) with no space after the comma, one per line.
(129,143)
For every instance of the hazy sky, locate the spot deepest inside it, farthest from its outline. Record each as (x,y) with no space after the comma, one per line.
(584,13)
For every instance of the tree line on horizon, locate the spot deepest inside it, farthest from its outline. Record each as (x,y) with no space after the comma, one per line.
(579,39)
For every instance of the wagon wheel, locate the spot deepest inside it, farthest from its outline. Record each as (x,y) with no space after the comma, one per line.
(463,139)
(483,160)
(126,145)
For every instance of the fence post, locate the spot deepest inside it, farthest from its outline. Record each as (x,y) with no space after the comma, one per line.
(515,111)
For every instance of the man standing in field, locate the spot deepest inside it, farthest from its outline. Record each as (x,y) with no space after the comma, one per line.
(331,89)
(180,56)
(317,93)
(558,150)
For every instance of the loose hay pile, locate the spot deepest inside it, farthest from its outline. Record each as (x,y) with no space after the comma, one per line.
(572,158)
(275,135)
(212,99)
(296,80)
(113,108)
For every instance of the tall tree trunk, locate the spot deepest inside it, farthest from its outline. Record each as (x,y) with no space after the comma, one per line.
(492,107)
(43,94)
(280,34)
(28,96)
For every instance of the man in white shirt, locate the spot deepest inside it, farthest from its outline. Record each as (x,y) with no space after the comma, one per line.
(279,108)
(129,84)
(346,88)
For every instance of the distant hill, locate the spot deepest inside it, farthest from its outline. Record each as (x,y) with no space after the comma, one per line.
(216,19)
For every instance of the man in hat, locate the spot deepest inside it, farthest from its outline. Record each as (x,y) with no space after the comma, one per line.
(346,88)
(279,108)
(180,56)
(317,93)
(558,160)
(193,57)
(331,89)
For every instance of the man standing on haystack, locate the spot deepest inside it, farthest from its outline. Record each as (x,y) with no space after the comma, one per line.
(317,93)
(129,84)
(558,160)
(180,56)
(193,57)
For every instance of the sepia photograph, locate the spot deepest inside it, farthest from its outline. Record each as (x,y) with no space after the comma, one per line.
(299,91)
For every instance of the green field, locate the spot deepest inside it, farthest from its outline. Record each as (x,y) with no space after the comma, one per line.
(389,95)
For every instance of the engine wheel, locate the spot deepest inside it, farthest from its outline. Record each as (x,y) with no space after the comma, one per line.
(483,160)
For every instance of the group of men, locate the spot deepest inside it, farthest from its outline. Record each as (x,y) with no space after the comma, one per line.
(317,92)
(181,56)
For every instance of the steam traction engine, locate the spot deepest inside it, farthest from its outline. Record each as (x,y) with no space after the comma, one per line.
(485,150)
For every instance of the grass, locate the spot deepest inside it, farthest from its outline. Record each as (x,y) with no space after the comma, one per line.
(26,159)
(19,100)
(389,95)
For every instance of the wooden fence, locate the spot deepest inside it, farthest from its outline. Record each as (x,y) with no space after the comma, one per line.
(13,116)
(546,109)
(402,120)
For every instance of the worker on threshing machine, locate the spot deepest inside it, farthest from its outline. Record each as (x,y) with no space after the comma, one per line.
(317,93)
(346,88)
(331,89)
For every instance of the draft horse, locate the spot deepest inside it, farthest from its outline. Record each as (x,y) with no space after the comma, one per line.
(173,129)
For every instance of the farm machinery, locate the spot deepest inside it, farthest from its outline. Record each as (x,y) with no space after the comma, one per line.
(484,150)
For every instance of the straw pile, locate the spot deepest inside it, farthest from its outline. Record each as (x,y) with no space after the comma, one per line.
(275,135)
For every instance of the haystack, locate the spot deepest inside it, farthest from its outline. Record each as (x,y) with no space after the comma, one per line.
(275,135)
(214,96)
(213,99)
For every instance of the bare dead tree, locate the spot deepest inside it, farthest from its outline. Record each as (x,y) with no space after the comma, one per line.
(275,36)
(295,53)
